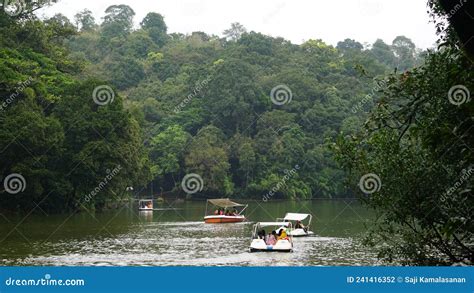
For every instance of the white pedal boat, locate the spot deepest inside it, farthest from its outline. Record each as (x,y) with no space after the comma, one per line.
(145,205)
(298,221)
(282,245)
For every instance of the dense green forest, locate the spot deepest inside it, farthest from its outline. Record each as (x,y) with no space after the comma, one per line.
(90,109)
(416,152)
(240,111)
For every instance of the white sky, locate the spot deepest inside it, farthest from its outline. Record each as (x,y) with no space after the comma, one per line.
(297,20)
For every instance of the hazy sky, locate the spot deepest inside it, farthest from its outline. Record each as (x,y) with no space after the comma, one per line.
(297,20)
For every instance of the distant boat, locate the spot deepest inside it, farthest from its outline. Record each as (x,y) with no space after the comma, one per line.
(223,214)
(145,205)
(299,229)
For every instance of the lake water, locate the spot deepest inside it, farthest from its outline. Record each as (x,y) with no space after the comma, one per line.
(179,237)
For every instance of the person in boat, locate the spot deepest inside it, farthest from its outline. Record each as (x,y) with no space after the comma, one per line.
(216,212)
(262,235)
(272,238)
(299,225)
(282,234)
(221,212)
(235,213)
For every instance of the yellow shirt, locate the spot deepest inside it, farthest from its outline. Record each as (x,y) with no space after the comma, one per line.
(283,235)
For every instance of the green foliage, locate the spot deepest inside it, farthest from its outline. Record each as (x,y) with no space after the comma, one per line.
(208,158)
(167,152)
(184,85)
(53,133)
(203,102)
(404,50)
(85,21)
(118,21)
(417,141)
(155,26)
(235,31)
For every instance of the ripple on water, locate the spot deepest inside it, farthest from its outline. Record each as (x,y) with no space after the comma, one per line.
(194,244)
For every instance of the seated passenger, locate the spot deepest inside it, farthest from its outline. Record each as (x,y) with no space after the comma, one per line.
(262,235)
(299,225)
(216,212)
(282,234)
(221,212)
(272,238)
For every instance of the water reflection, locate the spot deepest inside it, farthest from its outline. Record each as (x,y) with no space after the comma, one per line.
(179,237)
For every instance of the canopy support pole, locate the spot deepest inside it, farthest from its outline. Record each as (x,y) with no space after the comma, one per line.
(243,209)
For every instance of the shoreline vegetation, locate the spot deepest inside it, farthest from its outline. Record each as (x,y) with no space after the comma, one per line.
(94,113)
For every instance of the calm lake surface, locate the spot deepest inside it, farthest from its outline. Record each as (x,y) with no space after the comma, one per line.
(127,237)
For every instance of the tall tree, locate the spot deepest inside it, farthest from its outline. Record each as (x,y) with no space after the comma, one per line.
(383,53)
(85,21)
(155,25)
(235,31)
(405,51)
(118,20)
(349,45)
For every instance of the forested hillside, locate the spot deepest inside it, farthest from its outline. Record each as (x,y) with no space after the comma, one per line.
(244,111)
(415,153)
(95,111)
(240,110)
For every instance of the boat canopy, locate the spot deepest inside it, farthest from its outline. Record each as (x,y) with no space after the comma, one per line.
(224,203)
(265,224)
(295,217)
